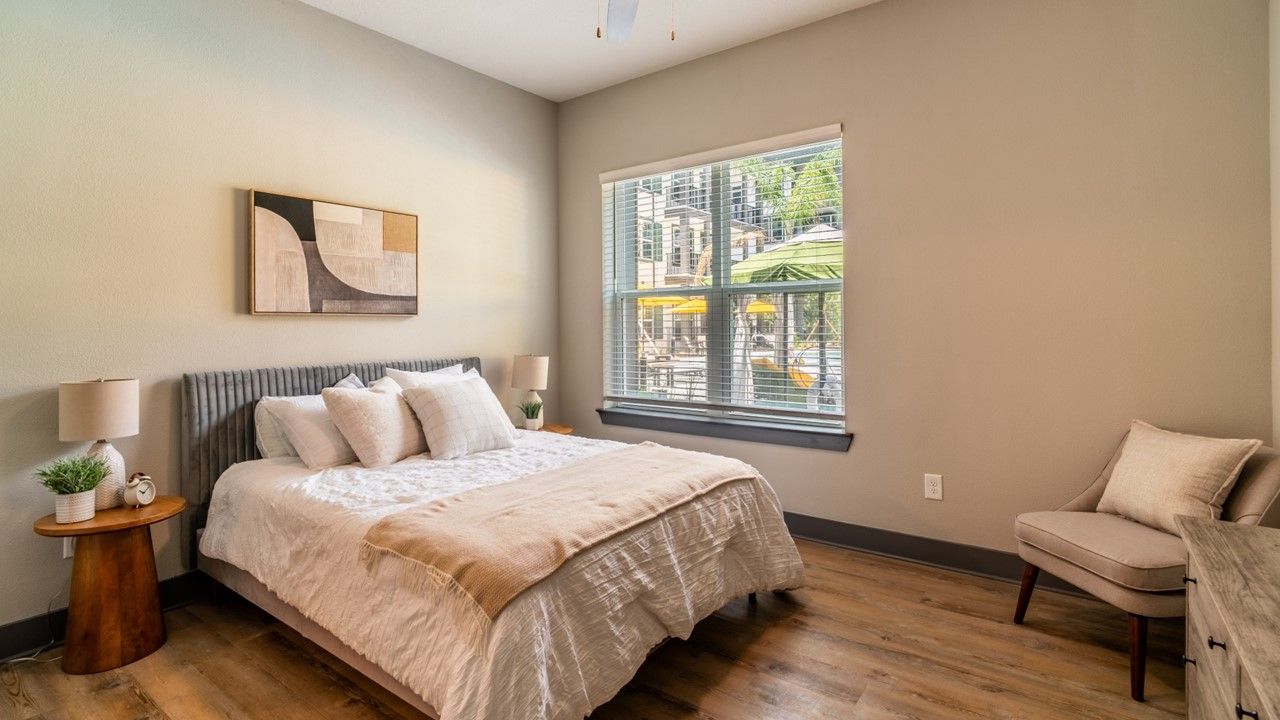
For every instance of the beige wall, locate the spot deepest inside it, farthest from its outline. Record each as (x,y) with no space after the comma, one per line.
(1057,216)
(1273,24)
(128,131)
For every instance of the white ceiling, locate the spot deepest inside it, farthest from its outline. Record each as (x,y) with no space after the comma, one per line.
(549,47)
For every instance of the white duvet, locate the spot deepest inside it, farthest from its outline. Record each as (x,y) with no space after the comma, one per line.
(560,649)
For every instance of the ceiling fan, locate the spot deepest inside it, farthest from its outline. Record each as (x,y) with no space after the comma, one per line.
(621,18)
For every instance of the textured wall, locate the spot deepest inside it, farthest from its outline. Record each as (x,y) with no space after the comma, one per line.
(1057,216)
(1274,98)
(129,132)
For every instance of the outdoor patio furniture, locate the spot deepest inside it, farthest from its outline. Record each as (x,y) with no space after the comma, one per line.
(772,385)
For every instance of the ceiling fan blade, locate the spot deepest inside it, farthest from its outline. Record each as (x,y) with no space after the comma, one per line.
(622,17)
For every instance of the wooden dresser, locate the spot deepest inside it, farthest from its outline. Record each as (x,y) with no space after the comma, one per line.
(1233,620)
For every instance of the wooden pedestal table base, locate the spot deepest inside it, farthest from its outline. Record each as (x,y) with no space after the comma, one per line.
(114,613)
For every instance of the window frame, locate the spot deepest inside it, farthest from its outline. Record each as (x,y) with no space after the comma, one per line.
(798,427)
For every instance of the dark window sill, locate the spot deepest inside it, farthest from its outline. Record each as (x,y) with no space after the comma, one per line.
(816,438)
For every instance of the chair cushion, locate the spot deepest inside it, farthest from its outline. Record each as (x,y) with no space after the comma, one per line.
(1125,552)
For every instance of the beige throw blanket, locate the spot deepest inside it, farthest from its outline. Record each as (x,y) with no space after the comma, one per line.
(492,543)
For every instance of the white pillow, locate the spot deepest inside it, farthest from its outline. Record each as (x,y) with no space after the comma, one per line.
(430,379)
(410,378)
(460,418)
(310,430)
(267,430)
(379,425)
(1161,475)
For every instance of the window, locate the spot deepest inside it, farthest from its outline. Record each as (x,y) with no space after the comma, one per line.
(744,323)
(654,325)
(650,235)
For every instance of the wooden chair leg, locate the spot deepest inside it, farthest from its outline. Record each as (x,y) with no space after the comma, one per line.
(1029,574)
(1137,656)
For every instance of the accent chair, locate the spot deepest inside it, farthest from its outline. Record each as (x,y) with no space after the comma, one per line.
(1136,568)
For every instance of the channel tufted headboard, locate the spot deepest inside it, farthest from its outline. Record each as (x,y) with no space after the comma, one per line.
(217,420)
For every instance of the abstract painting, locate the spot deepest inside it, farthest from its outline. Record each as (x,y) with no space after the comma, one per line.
(316,257)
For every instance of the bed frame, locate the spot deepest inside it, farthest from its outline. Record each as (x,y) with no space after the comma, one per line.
(217,421)
(217,432)
(249,588)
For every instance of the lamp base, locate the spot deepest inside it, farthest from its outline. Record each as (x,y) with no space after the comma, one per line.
(110,492)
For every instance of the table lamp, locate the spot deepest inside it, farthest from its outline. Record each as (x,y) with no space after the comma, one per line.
(529,372)
(99,410)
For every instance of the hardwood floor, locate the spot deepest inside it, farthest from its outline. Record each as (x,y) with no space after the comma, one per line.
(868,638)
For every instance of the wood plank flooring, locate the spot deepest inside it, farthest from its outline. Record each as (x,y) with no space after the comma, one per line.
(868,638)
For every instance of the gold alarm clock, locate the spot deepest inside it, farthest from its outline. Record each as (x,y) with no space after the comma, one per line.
(140,490)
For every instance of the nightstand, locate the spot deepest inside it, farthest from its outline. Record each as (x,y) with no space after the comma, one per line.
(113,617)
(558,429)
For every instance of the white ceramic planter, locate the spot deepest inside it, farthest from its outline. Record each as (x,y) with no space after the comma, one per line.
(533,424)
(73,508)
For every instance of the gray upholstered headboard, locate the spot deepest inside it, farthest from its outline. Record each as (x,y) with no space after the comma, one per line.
(217,420)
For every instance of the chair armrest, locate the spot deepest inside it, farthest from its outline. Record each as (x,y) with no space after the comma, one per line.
(1087,501)
(1253,500)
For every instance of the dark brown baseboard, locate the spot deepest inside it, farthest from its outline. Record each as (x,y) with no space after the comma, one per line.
(21,637)
(944,554)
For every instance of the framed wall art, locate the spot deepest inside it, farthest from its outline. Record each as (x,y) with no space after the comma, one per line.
(310,257)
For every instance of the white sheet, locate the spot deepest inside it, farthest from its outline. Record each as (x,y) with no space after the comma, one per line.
(559,650)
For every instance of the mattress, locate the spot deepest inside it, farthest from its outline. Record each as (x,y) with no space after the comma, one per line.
(560,649)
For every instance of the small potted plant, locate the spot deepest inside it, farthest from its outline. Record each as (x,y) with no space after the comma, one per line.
(532,412)
(72,480)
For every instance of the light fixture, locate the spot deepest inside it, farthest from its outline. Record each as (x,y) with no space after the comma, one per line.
(100,410)
(620,18)
(529,372)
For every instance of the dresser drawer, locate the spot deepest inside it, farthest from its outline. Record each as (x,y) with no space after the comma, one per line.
(1249,702)
(1211,679)
(1215,673)
(1205,700)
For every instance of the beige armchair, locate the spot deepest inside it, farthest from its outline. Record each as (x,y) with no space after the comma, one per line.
(1131,566)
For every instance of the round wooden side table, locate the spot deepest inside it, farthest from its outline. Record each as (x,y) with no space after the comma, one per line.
(113,616)
(558,429)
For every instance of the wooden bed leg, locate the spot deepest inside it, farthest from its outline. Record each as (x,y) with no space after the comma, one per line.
(751,598)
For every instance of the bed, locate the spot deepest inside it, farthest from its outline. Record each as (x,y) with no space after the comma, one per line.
(288,538)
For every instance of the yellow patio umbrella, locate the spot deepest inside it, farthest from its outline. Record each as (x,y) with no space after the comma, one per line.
(699,305)
(652,301)
(693,306)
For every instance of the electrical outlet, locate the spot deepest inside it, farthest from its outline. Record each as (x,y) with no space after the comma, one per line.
(932,487)
(68,547)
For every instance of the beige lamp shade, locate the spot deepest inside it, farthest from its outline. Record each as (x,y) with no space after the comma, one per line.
(97,409)
(529,372)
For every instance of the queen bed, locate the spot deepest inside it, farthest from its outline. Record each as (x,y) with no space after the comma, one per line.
(289,539)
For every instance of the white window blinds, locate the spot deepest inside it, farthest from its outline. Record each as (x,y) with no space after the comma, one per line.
(723,287)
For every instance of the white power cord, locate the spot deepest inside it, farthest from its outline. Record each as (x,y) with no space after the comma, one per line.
(53,639)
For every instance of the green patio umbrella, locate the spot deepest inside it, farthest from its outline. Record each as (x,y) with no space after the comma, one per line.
(814,255)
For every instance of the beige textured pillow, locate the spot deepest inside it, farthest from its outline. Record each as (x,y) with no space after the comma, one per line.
(376,422)
(1161,475)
